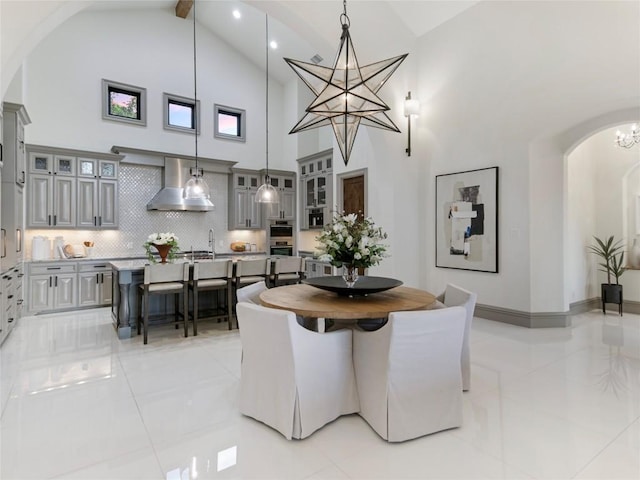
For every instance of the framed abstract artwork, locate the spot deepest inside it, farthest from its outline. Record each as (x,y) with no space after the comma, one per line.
(467,220)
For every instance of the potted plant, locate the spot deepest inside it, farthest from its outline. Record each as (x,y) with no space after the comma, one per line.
(612,254)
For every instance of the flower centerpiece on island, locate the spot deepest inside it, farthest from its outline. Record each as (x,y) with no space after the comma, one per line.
(165,243)
(352,242)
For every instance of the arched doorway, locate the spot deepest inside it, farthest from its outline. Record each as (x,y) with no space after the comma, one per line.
(603,183)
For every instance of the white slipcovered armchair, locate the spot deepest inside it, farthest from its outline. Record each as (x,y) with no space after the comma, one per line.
(454,296)
(408,373)
(292,379)
(251,293)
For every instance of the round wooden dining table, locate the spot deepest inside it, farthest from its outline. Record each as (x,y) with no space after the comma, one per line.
(308,301)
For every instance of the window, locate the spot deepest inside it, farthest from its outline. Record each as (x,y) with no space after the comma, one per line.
(229,123)
(180,113)
(124,103)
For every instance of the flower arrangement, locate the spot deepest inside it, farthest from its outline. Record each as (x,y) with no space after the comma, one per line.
(352,242)
(156,240)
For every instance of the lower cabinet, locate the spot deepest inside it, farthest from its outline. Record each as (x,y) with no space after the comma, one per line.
(67,284)
(52,287)
(94,284)
(316,268)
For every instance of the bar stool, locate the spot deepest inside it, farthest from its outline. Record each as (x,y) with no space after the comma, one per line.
(164,279)
(251,271)
(217,275)
(288,270)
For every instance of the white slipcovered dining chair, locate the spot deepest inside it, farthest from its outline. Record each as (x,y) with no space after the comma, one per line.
(408,373)
(292,379)
(454,296)
(251,293)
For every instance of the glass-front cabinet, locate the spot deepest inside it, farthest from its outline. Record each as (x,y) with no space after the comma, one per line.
(93,168)
(72,188)
(316,188)
(244,211)
(285,184)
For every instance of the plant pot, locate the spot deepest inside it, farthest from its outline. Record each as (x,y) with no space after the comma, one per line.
(611,293)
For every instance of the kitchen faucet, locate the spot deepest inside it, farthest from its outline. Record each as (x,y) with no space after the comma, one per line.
(212,243)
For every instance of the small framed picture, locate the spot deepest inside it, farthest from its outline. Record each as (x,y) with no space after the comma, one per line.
(124,103)
(467,220)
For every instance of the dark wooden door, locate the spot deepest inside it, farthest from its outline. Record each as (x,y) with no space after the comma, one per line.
(353,199)
(353,195)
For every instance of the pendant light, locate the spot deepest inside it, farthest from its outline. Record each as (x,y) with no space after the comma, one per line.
(266,193)
(346,95)
(196,187)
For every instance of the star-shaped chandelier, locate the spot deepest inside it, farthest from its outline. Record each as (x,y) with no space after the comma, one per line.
(346,95)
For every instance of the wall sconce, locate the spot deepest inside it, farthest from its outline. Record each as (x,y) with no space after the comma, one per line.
(411,108)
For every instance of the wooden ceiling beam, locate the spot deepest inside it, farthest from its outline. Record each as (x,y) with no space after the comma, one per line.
(183,7)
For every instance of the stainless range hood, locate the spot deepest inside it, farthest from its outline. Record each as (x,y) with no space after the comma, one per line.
(170,196)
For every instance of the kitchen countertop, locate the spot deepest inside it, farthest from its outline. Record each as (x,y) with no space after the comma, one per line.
(137,256)
(139,263)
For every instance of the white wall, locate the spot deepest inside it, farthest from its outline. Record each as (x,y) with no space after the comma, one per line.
(581,222)
(151,49)
(497,81)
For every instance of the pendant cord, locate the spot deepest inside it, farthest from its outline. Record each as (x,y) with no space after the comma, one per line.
(195,87)
(266,17)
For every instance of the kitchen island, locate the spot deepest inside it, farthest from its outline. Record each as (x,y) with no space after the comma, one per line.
(128,274)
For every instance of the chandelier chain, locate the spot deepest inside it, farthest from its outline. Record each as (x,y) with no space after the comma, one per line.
(344,18)
(266,20)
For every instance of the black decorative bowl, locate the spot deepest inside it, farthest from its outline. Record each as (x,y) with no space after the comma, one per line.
(364,285)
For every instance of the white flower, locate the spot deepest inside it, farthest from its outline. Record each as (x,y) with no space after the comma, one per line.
(351,218)
(357,256)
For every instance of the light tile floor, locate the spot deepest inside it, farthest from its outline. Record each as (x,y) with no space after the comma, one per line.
(77,402)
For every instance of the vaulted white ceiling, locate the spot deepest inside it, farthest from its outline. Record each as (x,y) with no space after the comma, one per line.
(305,28)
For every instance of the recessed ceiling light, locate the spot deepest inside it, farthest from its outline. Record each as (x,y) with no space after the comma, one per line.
(237,14)
(273,44)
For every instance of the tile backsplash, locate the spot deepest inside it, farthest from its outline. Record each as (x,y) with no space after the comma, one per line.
(138,184)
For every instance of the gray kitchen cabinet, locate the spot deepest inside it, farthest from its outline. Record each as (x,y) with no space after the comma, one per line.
(316,189)
(94,284)
(7,305)
(60,179)
(52,286)
(285,185)
(51,202)
(244,212)
(316,268)
(97,203)
(52,164)
(14,153)
(95,168)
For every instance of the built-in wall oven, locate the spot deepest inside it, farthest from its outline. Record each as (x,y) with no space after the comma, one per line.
(281,238)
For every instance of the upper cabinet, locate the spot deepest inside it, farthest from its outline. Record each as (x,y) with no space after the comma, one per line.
(316,188)
(72,189)
(244,211)
(285,184)
(14,153)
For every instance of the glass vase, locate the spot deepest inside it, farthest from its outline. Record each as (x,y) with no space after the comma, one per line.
(350,275)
